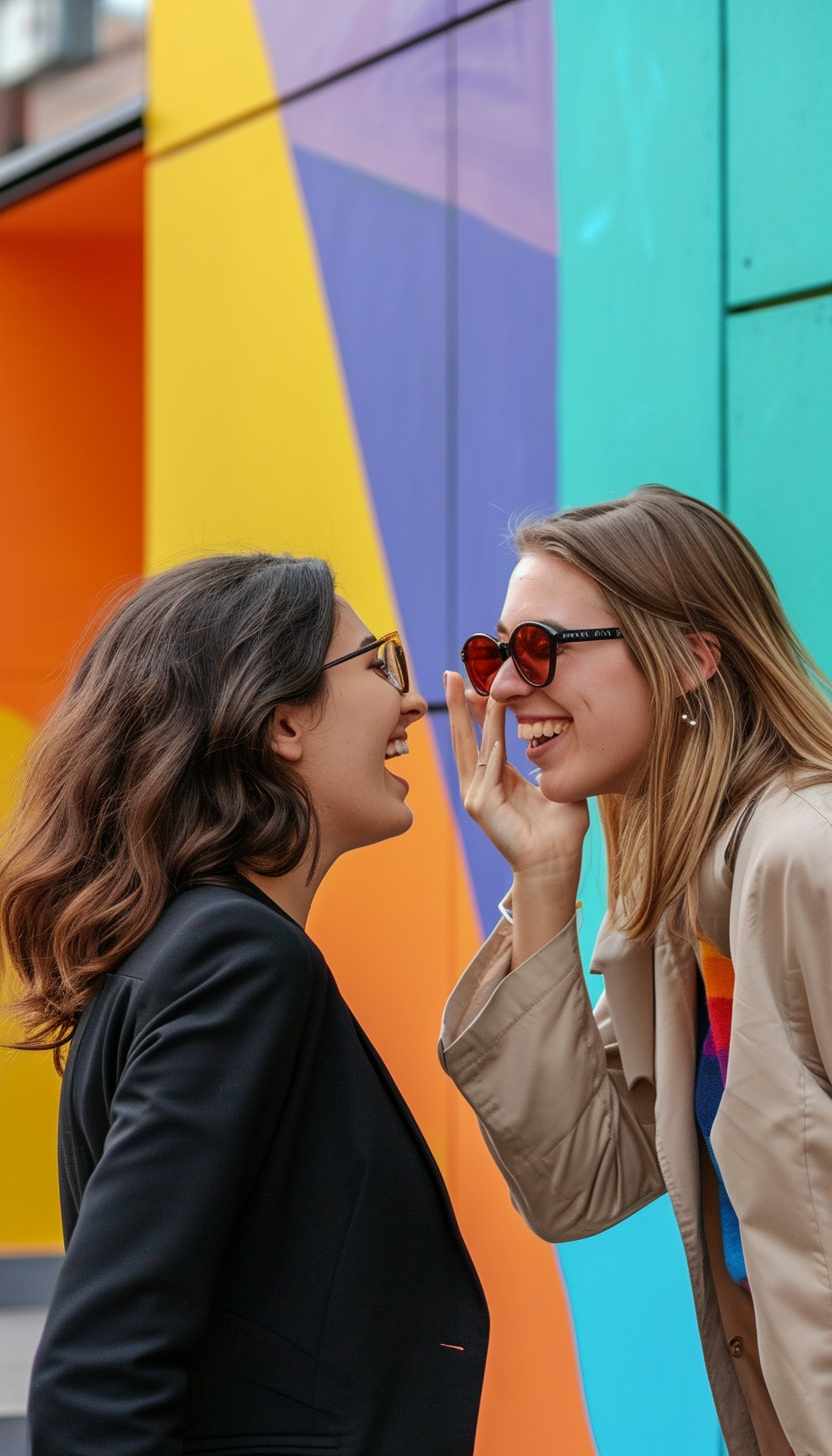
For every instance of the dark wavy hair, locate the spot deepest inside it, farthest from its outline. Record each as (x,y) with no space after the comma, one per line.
(155,772)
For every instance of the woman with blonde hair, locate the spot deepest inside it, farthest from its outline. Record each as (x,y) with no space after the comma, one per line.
(648,662)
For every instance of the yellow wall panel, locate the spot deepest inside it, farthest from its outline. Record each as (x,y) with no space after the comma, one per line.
(15,736)
(30,1216)
(207,67)
(251,441)
(30,1219)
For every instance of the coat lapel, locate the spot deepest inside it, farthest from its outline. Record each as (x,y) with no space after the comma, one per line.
(418,1137)
(676,1136)
(651,998)
(627,968)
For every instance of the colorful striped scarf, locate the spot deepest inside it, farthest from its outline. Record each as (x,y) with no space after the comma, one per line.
(714,1040)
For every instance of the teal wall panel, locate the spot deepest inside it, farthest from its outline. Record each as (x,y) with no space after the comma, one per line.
(641,292)
(779,154)
(695,162)
(644,1377)
(640,359)
(780,454)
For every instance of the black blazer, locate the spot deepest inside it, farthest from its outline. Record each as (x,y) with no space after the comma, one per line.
(261,1253)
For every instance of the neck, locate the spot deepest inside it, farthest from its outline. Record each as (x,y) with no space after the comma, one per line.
(295,891)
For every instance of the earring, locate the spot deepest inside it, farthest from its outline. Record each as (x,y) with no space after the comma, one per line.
(691,722)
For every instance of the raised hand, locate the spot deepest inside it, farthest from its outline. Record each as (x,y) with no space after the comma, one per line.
(542,841)
(528,829)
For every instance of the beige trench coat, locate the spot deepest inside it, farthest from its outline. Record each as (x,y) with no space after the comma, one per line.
(590,1117)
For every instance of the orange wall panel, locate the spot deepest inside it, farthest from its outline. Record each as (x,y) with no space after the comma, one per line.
(71,421)
(71,468)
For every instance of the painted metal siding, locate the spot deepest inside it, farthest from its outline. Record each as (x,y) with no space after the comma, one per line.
(779,147)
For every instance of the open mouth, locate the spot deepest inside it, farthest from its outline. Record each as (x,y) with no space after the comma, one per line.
(396,747)
(543,731)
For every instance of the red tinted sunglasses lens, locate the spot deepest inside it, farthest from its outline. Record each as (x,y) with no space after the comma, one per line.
(482,660)
(532,650)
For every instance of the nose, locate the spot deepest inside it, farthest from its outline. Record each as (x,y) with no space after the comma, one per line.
(509,684)
(413,706)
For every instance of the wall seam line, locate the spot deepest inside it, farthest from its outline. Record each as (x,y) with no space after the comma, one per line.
(276,103)
(780,300)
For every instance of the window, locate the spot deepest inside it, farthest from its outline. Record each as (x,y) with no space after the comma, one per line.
(66,62)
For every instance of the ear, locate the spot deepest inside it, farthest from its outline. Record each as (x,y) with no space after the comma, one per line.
(287,734)
(706,649)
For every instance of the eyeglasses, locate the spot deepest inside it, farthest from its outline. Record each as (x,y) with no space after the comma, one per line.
(391,660)
(532,647)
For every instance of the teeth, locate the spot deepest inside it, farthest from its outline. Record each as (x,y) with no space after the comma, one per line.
(546,728)
(395,748)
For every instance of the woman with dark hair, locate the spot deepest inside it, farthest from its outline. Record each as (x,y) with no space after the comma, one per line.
(261,1254)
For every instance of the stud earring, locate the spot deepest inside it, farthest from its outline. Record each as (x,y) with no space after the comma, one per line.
(691,722)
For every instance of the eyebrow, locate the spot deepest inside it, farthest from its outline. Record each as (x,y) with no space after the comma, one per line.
(545,622)
(368,640)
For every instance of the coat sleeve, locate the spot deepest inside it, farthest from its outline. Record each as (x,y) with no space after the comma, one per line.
(773,1134)
(199,1097)
(574,1141)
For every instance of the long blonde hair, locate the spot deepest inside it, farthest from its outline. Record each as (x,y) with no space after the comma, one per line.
(669,565)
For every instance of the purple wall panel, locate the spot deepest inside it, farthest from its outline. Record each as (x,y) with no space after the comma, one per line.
(505,408)
(505,293)
(399,119)
(383,254)
(309,40)
(390,121)
(503,114)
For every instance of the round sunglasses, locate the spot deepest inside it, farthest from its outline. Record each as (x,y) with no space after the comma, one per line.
(391,660)
(532,647)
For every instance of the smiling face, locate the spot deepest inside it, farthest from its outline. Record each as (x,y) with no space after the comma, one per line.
(347,741)
(590,729)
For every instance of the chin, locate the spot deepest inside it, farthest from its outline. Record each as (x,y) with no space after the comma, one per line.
(399,823)
(390,827)
(561,789)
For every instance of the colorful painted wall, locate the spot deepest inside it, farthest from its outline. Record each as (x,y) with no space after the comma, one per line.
(71,478)
(384,311)
(351,343)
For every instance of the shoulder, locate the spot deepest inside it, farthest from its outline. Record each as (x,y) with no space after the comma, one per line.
(789,835)
(213,933)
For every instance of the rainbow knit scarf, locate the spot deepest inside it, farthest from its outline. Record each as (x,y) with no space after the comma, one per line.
(714,1040)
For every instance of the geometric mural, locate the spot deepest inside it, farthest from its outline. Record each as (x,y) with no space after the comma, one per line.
(428,179)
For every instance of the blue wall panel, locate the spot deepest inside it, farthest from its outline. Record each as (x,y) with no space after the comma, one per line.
(639,163)
(383,254)
(506,415)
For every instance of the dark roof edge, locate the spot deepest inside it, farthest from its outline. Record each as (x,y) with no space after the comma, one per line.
(32,169)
